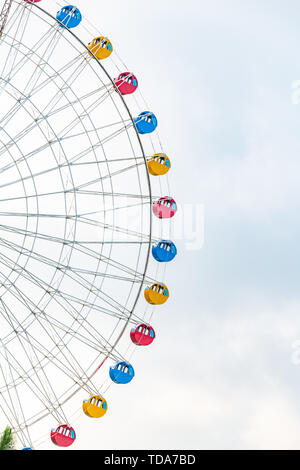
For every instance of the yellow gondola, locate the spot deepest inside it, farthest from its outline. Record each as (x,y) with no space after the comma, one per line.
(95,407)
(157,294)
(101,47)
(159,164)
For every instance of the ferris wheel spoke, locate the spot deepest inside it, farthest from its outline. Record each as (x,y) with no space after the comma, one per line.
(114,228)
(111,175)
(22,97)
(87,339)
(77,245)
(13,422)
(31,127)
(108,194)
(80,245)
(86,115)
(18,374)
(128,206)
(78,100)
(58,74)
(32,53)
(67,301)
(71,160)
(23,16)
(102,345)
(64,134)
(77,191)
(99,144)
(9,409)
(82,219)
(76,375)
(72,271)
(50,42)
(36,387)
(47,354)
(59,295)
(111,160)
(67,268)
(79,119)
(49,170)
(20,105)
(36,74)
(60,137)
(120,314)
(25,159)
(68,82)
(34,48)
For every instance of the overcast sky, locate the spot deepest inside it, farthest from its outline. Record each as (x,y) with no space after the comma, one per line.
(221,375)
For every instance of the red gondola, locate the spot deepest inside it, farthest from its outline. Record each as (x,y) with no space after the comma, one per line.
(142,335)
(127,83)
(63,436)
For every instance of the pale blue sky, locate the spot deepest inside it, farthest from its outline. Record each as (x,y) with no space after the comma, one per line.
(219,76)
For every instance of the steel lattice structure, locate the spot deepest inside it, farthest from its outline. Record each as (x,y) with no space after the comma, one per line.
(76,226)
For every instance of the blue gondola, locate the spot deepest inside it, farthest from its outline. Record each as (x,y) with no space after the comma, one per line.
(121,373)
(69,16)
(146,122)
(164,251)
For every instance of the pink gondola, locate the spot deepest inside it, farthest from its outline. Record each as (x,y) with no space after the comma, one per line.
(165,208)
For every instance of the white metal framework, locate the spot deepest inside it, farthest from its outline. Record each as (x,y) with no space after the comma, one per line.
(75,220)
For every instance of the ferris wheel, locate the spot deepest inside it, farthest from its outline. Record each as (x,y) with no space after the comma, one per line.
(85,221)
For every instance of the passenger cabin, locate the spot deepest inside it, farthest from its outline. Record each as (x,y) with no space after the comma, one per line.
(95,406)
(159,164)
(157,294)
(142,335)
(121,373)
(165,208)
(69,16)
(146,122)
(63,436)
(126,83)
(164,251)
(101,47)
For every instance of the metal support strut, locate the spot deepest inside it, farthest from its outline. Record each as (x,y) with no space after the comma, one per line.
(4,15)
